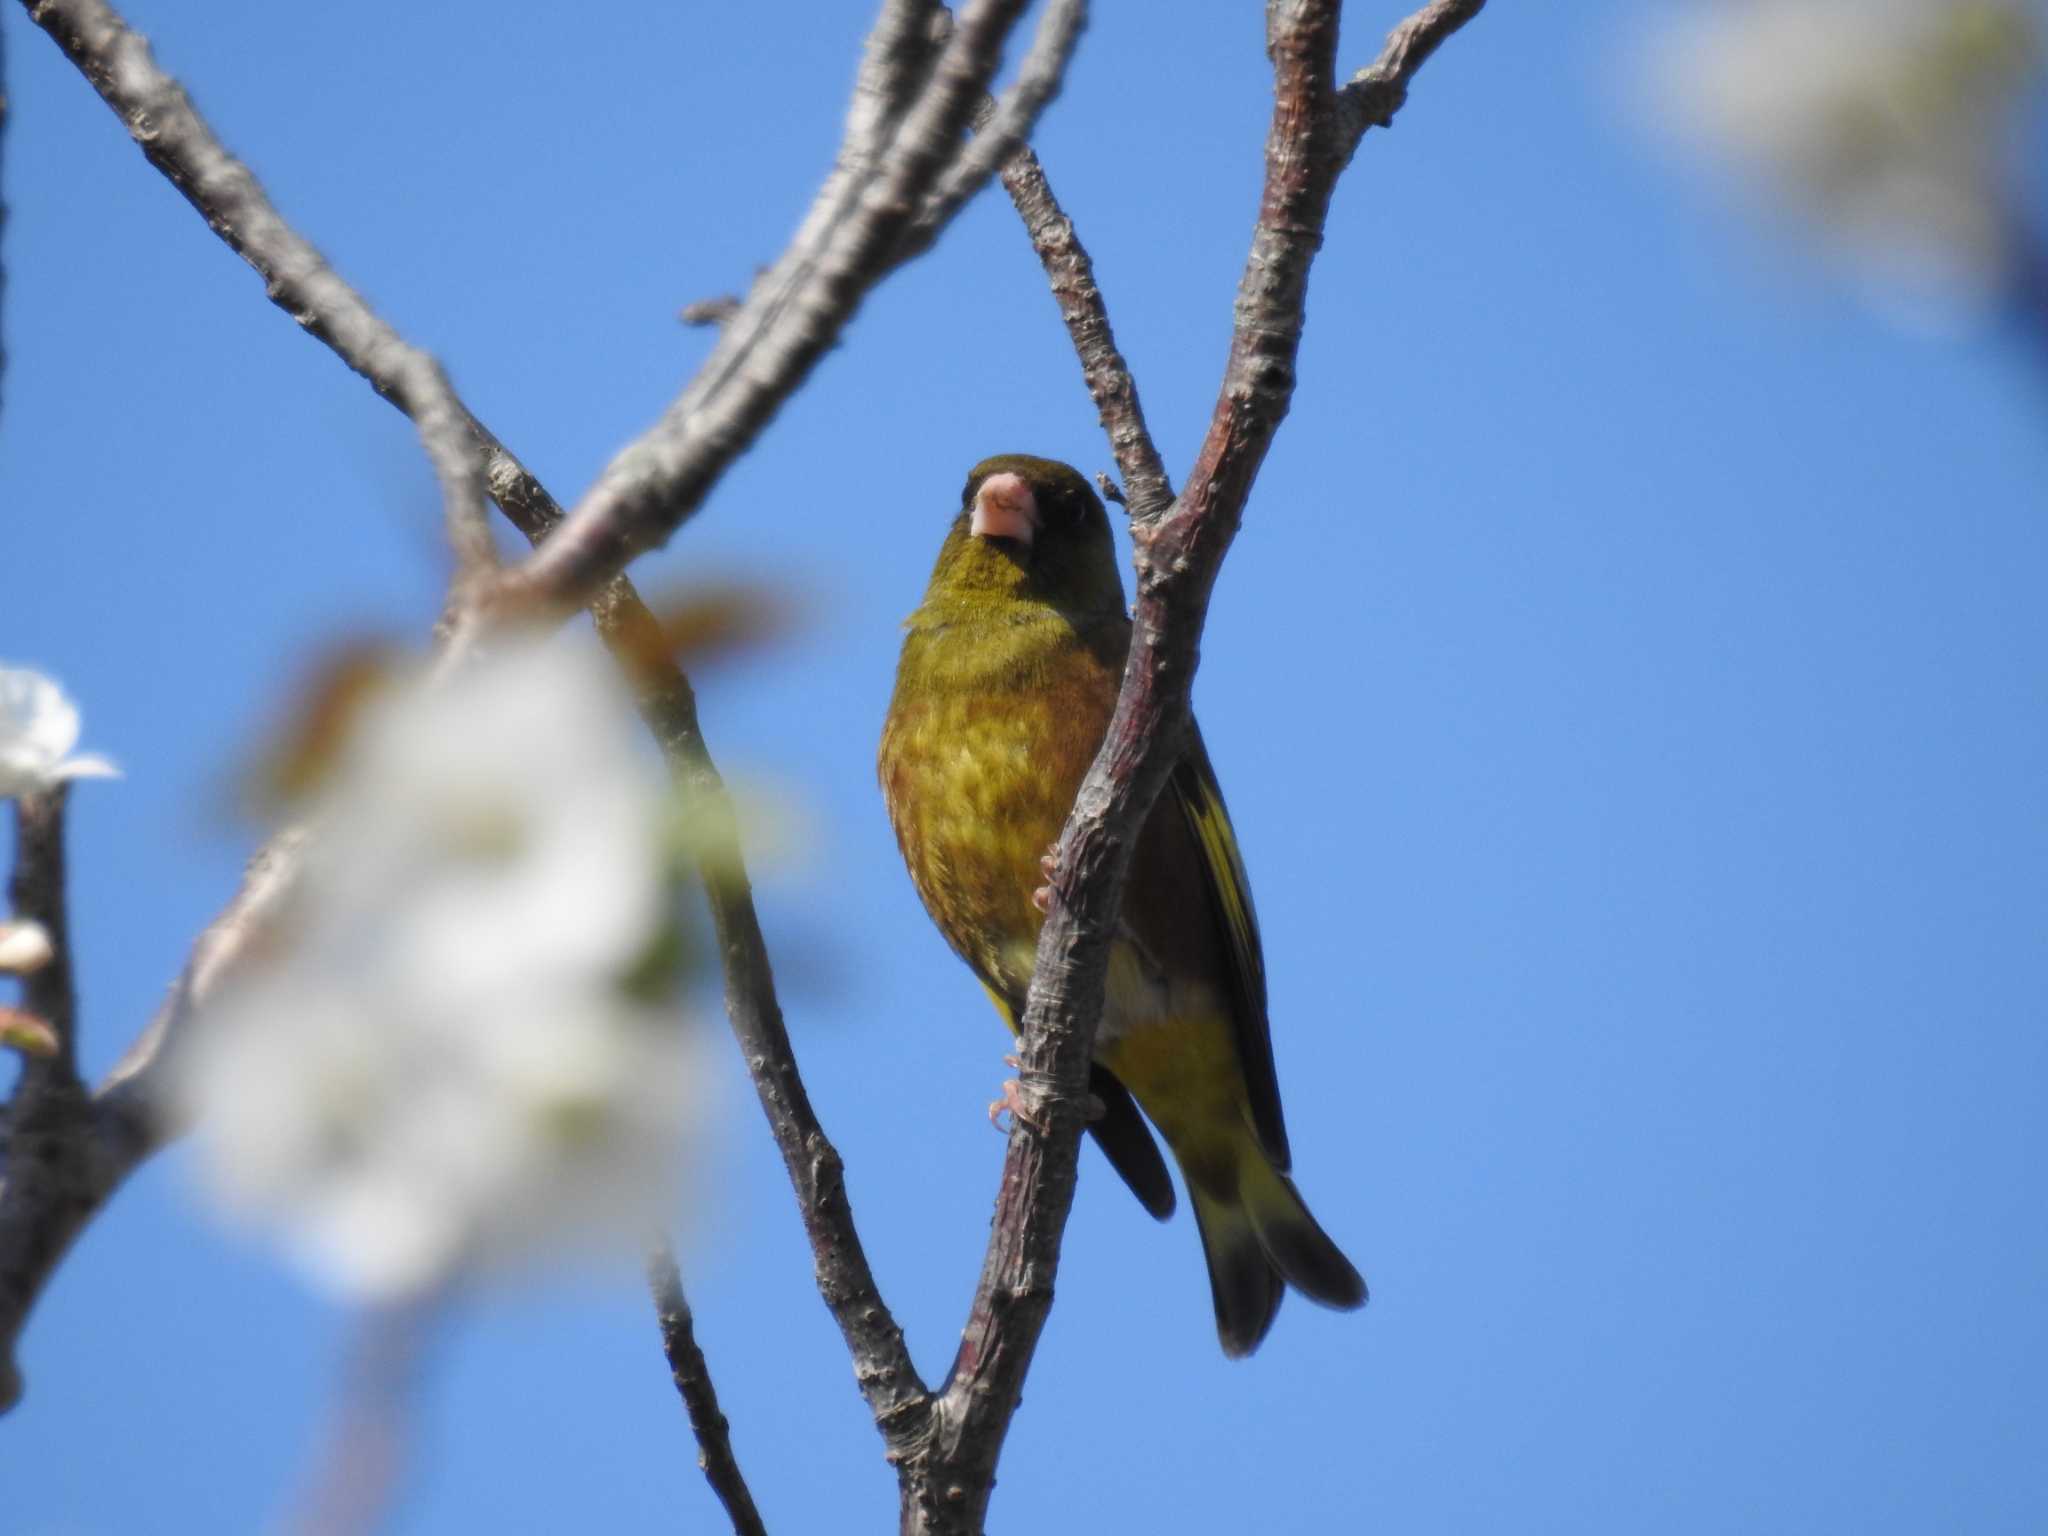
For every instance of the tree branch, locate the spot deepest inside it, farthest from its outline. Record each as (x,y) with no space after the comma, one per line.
(68,1151)
(692,1376)
(50,1163)
(130,1122)
(132,1100)
(360,1464)
(862,226)
(1373,95)
(1002,134)
(36,893)
(1178,556)
(1071,274)
(882,1367)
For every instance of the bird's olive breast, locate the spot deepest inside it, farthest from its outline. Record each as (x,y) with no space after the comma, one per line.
(991,728)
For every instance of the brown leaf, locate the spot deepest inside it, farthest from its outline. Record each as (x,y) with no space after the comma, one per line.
(318,719)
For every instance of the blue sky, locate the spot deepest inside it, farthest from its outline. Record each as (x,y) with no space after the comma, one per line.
(1628,685)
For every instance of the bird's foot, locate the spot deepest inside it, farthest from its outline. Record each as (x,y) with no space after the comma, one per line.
(1047,862)
(1017,1104)
(1014,1102)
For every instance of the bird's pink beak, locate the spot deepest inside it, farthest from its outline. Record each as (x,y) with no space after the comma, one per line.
(1004,508)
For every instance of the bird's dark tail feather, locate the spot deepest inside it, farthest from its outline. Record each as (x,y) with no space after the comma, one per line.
(1123,1136)
(1259,1239)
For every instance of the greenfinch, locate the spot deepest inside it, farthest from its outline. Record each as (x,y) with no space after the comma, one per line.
(1008,676)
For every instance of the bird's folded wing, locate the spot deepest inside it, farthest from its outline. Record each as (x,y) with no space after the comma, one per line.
(1195,790)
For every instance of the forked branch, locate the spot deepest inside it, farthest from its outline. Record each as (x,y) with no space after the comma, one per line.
(882,206)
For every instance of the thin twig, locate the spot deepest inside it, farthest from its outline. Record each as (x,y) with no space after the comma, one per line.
(362,1459)
(1178,556)
(882,1366)
(692,1376)
(1373,95)
(132,1101)
(1071,276)
(1004,131)
(888,1380)
(853,238)
(710,312)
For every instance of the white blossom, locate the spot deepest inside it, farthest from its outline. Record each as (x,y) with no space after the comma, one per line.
(1883,124)
(24,947)
(38,728)
(439,1067)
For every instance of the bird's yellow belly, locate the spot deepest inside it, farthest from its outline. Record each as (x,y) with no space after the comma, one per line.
(1170,1043)
(979,804)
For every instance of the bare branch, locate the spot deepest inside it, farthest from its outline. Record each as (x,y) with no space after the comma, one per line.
(361,1460)
(36,893)
(50,1167)
(1178,555)
(132,1102)
(1375,93)
(883,1369)
(67,1152)
(161,119)
(1002,135)
(1103,369)
(853,237)
(882,1366)
(692,1376)
(894,61)
(710,311)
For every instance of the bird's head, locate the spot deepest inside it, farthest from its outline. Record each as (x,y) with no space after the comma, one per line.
(1030,530)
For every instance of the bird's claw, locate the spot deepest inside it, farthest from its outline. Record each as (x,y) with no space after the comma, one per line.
(1047,862)
(1015,1103)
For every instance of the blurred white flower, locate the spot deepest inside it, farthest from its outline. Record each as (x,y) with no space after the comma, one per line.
(38,729)
(24,947)
(454,1055)
(1882,123)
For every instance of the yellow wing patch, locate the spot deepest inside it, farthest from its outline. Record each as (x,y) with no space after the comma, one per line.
(1201,803)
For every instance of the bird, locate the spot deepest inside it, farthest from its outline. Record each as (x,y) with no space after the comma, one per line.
(1004,689)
